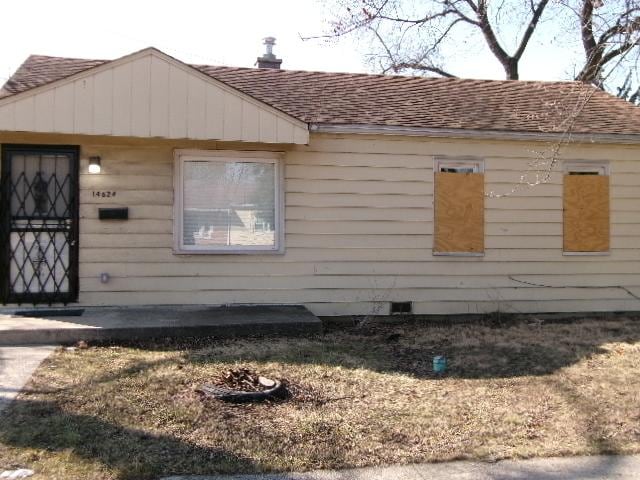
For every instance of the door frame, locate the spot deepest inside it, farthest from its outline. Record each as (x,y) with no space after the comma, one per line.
(5,223)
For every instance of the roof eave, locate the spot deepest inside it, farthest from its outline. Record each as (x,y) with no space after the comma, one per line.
(564,137)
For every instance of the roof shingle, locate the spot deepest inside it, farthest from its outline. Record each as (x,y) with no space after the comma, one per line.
(384,100)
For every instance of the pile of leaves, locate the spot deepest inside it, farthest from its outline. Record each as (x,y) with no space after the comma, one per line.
(247,380)
(241,379)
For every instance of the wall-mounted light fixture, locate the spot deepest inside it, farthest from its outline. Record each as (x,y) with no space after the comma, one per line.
(94,165)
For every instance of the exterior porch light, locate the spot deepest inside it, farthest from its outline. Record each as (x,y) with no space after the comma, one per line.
(94,165)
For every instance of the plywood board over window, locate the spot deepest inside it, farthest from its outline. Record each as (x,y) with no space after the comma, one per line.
(459,208)
(586,210)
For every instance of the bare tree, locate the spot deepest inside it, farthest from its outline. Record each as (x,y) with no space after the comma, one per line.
(607,34)
(424,36)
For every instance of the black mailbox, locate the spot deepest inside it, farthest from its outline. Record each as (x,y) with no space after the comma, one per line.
(113,213)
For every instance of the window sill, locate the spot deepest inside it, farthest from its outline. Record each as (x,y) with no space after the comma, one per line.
(586,254)
(458,254)
(229,252)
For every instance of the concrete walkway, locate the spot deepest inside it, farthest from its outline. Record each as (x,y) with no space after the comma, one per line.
(565,468)
(49,326)
(17,364)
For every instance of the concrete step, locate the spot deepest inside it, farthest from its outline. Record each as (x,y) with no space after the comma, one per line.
(24,326)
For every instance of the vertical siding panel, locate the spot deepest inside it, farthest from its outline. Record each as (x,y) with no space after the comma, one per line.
(122,99)
(285,131)
(64,108)
(103,103)
(300,135)
(83,117)
(44,111)
(232,117)
(215,112)
(250,122)
(140,97)
(159,116)
(24,114)
(150,97)
(197,106)
(7,117)
(178,83)
(268,131)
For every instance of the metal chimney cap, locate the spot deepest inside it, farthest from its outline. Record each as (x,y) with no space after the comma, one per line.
(269,42)
(268,59)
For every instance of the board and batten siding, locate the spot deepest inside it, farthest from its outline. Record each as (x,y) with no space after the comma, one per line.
(148,94)
(359,234)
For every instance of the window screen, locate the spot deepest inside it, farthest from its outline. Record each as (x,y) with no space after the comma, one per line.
(451,169)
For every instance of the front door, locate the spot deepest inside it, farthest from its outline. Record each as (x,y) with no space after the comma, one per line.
(39,224)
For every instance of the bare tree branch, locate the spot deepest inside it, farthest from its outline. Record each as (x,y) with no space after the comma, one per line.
(420,36)
(586,24)
(503,57)
(417,65)
(422,68)
(616,40)
(537,13)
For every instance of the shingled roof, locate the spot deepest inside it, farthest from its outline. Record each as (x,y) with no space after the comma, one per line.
(385,100)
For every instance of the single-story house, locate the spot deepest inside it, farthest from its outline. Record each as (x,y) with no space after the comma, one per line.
(148,181)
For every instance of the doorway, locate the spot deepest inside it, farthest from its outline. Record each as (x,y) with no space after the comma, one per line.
(39,224)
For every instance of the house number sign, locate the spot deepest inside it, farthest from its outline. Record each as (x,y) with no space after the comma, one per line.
(103,194)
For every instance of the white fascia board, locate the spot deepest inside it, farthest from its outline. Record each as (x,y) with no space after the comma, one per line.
(365,129)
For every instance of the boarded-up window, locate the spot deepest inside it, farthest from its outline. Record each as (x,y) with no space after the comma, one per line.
(586,209)
(459,208)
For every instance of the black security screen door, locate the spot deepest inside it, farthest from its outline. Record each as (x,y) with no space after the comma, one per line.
(39,224)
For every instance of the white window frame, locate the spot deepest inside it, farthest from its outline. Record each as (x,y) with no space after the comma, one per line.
(477,164)
(599,167)
(181,156)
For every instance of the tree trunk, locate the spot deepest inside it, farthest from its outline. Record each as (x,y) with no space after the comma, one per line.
(511,69)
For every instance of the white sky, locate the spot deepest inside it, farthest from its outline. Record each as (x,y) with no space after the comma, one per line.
(214,32)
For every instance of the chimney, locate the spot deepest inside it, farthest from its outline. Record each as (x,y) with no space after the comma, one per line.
(269,60)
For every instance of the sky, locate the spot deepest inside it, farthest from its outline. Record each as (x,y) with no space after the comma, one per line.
(228,32)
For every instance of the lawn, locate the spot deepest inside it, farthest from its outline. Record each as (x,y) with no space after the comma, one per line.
(362,396)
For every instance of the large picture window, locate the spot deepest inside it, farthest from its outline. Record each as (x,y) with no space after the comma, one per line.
(227,202)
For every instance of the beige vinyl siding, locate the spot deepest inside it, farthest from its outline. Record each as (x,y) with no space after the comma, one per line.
(359,233)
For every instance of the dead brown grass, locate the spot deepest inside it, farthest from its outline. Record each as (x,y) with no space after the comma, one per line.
(518,391)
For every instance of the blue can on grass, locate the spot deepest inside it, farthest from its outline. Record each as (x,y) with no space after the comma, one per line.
(439,364)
